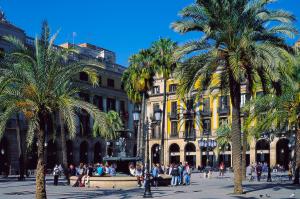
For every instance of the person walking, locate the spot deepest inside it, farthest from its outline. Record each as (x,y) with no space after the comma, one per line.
(56,173)
(187,174)
(174,174)
(258,171)
(180,176)
(154,173)
(222,168)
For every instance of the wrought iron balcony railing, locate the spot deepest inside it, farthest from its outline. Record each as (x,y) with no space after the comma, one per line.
(189,114)
(206,113)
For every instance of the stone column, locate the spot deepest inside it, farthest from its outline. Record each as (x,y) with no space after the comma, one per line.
(216,157)
(252,152)
(182,155)
(198,157)
(273,152)
(90,152)
(76,151)
(117,105)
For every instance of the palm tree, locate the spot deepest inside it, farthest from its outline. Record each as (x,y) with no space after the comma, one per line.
(137,80)
(223,135)
(38,83)
(279,112)
(164,64)
(114,122)
(236,45)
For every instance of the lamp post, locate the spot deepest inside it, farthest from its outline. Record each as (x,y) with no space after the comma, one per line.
(209,144)
(146,127)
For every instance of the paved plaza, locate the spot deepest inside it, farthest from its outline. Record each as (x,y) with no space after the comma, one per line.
(201,188)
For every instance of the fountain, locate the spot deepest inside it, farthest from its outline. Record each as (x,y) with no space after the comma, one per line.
(122,160)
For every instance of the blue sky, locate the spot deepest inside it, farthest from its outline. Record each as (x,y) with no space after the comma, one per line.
(118,25)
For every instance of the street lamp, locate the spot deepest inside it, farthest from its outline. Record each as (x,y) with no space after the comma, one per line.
(136,115)
(2,151)
(146,127)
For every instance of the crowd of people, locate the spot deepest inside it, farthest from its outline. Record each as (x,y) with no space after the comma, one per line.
(259,168)
(180,173)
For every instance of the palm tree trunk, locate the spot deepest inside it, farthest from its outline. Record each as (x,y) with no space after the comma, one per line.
(235,94)
(40,169)
(244,156)
(20,139)
(64,146)
(297,153)
(163,123)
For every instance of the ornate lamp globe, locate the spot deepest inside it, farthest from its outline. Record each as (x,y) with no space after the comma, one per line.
(136,115)
(157,115)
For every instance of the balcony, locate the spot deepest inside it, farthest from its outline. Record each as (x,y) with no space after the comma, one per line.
(174,135)
(206,113)
(190,135)
(189,114)
(224,111)
(173,115)
(155,135)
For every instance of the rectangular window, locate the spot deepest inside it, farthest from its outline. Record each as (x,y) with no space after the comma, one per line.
(122,106)
(173,108)
(172,87)
(206,126)
(83,76)
(189,104)
(223,102)
(155,90)
(206,104)
(110,83)
(99,80)
(111,104)
(97,101)
(174,127)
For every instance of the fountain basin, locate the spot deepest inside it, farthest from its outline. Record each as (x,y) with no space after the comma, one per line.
(118,181)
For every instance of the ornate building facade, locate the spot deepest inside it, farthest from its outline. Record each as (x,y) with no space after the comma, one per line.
(191,122)
(108,95)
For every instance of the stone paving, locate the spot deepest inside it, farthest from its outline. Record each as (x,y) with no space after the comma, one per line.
(200,188)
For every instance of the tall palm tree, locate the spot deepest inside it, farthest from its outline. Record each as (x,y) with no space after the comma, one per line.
(138,80)
(279,112)
(38,82)
(238,43)
(164,64)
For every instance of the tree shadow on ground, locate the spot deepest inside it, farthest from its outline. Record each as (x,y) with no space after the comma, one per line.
(257,187)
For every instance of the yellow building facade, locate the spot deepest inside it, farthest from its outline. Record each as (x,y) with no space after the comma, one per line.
(191,121)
